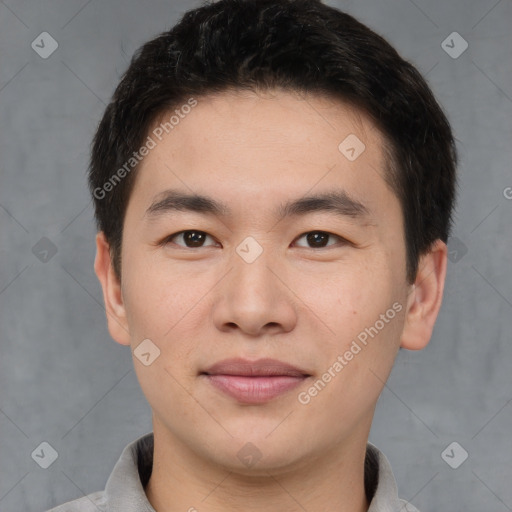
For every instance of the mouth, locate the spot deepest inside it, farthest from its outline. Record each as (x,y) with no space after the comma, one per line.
(254,382)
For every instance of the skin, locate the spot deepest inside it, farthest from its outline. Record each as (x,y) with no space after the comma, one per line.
(296,302)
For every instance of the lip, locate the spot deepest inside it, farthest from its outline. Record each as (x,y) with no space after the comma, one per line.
(254,382)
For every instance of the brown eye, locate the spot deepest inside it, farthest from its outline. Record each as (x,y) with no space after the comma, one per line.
(190,238)
(318,239)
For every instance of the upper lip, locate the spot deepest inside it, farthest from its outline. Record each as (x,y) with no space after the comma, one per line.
(260,367)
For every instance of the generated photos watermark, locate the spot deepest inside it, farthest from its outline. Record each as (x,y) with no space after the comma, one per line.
(304,397)
(151,142)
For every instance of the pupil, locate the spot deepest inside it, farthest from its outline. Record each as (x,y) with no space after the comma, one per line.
(194,237)
(317,239)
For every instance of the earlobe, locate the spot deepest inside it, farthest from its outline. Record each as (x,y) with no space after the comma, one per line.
(112,296)
(425,298)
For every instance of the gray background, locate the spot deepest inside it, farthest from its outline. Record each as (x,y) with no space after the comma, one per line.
(64,381)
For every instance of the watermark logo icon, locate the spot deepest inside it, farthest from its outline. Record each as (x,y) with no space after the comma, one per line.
(146,352)
(454,455)
(249,454)
(456,249)
(44,45)
(351,147)
(454,45)
(44,250)
(44,455)
(249,250)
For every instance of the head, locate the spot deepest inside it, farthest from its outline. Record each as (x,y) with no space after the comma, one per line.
(257,106)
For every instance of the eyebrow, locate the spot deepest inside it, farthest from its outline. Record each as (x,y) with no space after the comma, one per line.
(338,202)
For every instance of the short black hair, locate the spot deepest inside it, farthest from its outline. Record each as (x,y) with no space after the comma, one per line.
(300,46)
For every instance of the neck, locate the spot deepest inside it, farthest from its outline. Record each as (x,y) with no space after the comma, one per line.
(182,480)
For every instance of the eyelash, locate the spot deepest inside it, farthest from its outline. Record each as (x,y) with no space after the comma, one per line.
(168,240)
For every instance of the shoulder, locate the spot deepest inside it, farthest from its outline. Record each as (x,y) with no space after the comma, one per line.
(94,502)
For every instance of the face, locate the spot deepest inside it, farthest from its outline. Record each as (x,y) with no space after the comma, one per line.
(260,271)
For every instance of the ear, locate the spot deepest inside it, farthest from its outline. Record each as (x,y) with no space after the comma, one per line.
(425,297)
(114,306)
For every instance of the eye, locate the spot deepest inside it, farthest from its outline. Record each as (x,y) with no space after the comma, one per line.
(190,238)
(319,239)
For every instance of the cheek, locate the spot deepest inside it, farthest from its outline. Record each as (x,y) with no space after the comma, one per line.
(160,304)
(167,310)
(346,298)
(361,326)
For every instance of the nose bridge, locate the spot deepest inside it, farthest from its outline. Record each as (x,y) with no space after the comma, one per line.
(251,273)
(252,297)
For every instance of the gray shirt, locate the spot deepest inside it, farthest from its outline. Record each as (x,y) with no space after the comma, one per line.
(124,491)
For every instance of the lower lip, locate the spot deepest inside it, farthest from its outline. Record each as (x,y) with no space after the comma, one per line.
(254,390)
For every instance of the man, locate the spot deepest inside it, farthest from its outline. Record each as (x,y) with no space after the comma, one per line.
(273,188)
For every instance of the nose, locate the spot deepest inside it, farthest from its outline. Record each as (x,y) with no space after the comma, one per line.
(254,299)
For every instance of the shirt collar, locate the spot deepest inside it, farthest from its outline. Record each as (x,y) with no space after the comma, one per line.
(124,491)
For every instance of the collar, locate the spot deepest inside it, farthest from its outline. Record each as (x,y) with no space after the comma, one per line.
(124,491)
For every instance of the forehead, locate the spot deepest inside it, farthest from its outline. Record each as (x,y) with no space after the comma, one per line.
(256,148)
